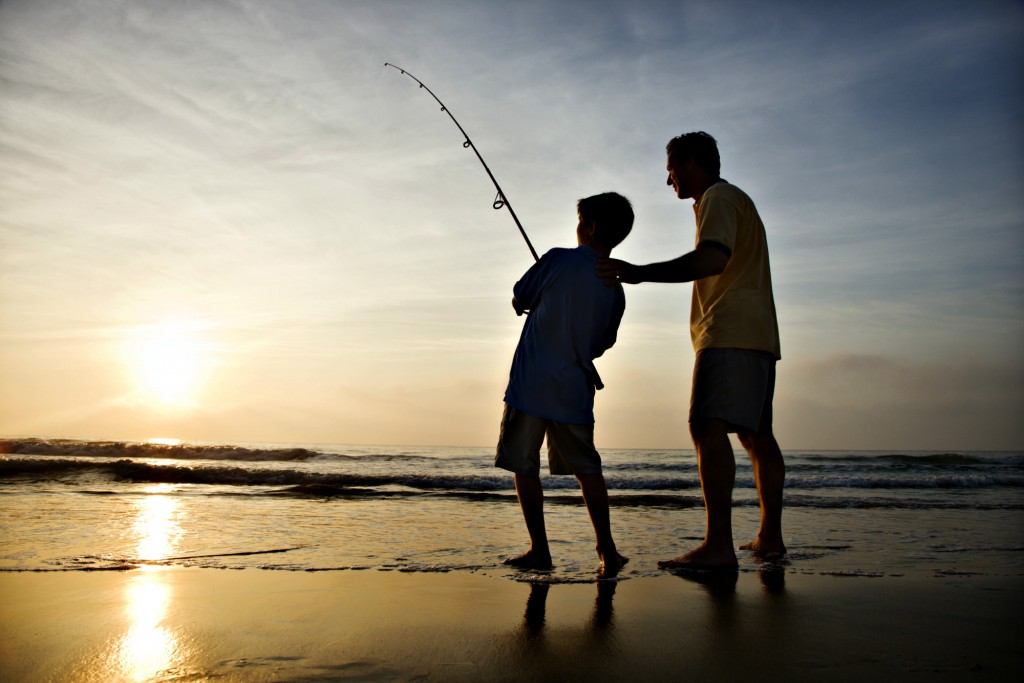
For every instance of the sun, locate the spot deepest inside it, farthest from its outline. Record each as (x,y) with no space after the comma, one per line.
(168,362)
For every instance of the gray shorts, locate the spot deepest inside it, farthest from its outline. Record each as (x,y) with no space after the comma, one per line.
(570,446)
(736,386)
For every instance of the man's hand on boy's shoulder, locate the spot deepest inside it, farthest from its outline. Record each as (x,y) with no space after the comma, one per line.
(517,307)
(614,271)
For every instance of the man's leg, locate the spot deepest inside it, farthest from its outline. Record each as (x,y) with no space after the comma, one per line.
(531,500)
(769,476)
(595,495)
(717,469)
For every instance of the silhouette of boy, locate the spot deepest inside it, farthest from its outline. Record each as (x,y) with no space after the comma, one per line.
(573,317)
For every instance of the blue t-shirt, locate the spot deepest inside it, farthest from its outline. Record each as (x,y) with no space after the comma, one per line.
(574,317)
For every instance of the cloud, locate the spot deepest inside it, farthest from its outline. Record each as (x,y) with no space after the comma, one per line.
(253,166)
(877,402)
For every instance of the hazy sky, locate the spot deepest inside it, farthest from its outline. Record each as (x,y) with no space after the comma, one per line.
(226,220)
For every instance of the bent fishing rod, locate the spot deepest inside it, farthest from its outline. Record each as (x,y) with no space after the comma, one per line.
(500,200)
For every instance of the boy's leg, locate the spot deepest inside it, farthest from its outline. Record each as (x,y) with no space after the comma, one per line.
(531,500)
(595,495)
(519,452)
(571,450)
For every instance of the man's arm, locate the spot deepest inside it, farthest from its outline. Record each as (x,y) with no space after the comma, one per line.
(707,260)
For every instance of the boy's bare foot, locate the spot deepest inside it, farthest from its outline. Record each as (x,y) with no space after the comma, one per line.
(529,560)
(764,549)
(703,558)
(611,565)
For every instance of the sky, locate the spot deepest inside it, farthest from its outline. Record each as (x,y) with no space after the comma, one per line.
(228,221)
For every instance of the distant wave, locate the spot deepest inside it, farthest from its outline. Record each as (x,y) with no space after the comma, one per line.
(860,458)
(645,461)
(41,469)
(918,481)
(130,470)
(120,449)
(124,449)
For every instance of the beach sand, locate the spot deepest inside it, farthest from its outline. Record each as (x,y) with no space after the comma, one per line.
(186,624)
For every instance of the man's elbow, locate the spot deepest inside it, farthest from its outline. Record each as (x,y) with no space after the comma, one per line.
(713,258)
(718,264)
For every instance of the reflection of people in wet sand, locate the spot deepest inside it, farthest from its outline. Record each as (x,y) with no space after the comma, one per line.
(573,318)
(736,337)
(536,608)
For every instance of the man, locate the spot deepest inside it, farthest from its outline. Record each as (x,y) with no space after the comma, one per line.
(736,339)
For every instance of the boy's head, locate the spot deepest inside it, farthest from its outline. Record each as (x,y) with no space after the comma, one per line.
(605,219)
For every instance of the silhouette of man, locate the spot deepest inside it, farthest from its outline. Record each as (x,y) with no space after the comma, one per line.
(735,335)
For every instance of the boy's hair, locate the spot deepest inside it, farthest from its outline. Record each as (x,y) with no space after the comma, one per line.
(701,146)
(612,215)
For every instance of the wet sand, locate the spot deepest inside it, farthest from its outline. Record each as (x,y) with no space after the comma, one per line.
(169,624)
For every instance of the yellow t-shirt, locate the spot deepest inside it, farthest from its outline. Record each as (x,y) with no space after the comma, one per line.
(735,309)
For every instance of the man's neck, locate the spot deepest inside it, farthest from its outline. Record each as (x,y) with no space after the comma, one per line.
(704,188)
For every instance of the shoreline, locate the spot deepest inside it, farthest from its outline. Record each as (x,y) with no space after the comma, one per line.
(173,623)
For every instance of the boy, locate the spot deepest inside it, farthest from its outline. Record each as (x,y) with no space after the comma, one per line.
(573,318)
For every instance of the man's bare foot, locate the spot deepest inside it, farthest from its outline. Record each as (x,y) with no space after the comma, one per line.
(529,560)
(703,558)
(764,549)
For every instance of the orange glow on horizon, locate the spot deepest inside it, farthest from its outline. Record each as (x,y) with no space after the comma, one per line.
(163,441)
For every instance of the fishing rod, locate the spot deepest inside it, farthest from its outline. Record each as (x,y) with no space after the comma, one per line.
(500,200)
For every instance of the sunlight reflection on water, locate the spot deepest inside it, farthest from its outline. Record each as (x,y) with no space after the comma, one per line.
(148,647)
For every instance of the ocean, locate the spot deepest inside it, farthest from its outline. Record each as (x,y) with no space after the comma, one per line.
(70,505)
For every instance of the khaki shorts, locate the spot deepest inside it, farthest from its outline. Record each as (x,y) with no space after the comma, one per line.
(570,446)
(736,386)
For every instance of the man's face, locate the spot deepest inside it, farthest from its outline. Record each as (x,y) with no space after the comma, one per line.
(680,175)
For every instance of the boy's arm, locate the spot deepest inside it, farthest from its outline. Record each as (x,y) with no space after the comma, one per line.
(611,333)
(606,341)
(526,293)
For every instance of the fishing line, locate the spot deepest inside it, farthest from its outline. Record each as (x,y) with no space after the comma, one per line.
(500,200)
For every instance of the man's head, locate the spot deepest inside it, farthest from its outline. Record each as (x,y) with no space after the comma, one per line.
(693,163)
(605,220)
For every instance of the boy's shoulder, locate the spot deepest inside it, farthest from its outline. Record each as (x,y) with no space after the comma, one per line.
(569,262)
(559,252)
(570,255)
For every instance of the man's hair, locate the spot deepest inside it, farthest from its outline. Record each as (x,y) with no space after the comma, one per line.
(701,146)
(612,215)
